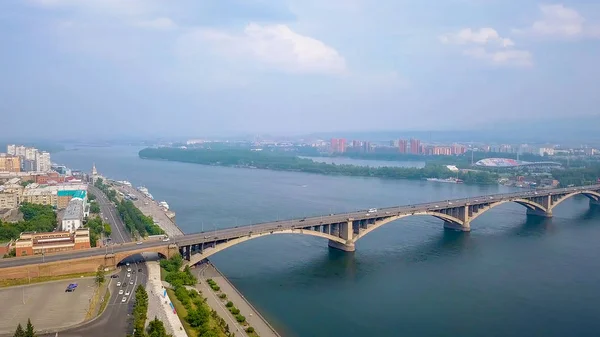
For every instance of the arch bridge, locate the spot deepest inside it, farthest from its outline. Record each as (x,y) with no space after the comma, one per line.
(343,230)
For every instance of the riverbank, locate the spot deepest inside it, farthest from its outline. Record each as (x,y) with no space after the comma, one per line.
(207,271)
(282,162)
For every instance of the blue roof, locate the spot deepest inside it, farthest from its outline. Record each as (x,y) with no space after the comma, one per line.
(73,193)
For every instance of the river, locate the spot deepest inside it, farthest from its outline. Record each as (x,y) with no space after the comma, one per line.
(510,276)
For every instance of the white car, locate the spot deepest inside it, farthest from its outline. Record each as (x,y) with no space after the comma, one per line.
(127,293)
(139,243)
(131,282)
(128,275)
(121,292)
(124,300)
(118,284)
(128,270)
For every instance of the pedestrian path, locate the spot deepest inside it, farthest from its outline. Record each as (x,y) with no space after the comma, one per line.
(253,317)
(159,304)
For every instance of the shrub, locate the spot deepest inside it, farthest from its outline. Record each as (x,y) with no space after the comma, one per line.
(249,329)
(222,296)
(229,304)
(234,310)
(240,318)
(215,287)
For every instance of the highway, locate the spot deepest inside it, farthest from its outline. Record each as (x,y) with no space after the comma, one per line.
(239,231)
(116,320)
(108,212)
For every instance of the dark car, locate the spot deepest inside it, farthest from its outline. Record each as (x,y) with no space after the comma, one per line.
(140,270)
(114,276)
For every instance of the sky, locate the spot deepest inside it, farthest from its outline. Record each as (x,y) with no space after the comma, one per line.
(75,68)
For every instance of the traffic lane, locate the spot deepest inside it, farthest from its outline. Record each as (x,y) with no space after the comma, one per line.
(109,212)
(115,320)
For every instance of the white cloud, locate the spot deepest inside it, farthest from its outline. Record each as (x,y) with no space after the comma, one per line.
(274,45)
(558,21)
(158,23)
(505,57)
(481,36)
(487,44)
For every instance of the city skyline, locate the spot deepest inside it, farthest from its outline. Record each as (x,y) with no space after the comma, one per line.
(144,68)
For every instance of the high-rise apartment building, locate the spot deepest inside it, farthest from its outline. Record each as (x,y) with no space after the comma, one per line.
(402,145)
(31,153)
(338,145)
(42,162)
(20,150)
(415,146)
(11,149)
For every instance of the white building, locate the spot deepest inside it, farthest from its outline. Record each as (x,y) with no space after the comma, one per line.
(42,162)
(11,149)
(73,217)
(20,150)
(546,150)
(31,153)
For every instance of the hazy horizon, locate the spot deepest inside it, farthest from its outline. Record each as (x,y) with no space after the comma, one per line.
(103,69)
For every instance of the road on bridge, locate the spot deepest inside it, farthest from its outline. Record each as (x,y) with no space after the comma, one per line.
(293,224)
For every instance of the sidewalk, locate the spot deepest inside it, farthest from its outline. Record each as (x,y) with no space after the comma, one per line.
(158,306)
(206,271)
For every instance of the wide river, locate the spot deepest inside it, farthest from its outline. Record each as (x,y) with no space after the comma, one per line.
(510,276)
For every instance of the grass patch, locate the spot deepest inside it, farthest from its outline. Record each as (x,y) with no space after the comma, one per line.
(104,303)
(181,313)
(25,281)
(93,303)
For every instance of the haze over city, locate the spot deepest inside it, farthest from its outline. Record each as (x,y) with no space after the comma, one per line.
(230,67)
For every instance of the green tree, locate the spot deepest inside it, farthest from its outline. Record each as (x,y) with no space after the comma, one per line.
(94,207)
(100,275)
(29,330)
(107,229)
(156,328)
(19,332)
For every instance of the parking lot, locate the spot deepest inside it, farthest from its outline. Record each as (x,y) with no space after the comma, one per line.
(47,304)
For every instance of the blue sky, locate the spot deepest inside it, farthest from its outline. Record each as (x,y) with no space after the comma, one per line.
(206,67)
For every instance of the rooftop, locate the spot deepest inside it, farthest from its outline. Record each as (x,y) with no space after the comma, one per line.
(74,210)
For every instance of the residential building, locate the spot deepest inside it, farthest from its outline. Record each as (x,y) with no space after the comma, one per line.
(28,165)
(415,146)
(42,196)
(338,145)
(31,243)
(31,153)
(20,151)
(73,216)
(9,163)
(11,149)
(402,145)
(543,151)
(42,162)
(9,199)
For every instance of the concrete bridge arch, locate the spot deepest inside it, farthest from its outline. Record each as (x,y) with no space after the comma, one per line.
(592,195)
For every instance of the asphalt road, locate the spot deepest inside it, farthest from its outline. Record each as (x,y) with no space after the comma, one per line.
(109,214)
(294,224)
(116,320)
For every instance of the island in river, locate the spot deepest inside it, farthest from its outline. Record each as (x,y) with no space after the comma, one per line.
(283,162)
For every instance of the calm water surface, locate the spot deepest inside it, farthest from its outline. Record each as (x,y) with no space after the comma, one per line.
(510,276)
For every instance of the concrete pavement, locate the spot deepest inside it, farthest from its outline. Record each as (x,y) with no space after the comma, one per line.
(253,317)
(47,304)
(158,305)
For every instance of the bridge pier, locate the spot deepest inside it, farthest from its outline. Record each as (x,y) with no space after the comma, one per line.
(539,212)
(348,247)
(594,203)
(466,227)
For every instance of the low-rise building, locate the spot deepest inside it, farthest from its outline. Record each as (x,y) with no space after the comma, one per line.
(65,196)
(9,200)
(73,216)
(41,196)
(31,243)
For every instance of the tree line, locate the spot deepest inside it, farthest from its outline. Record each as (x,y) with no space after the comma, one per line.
(286,162)
(135,221)
(156,327)
(36,218)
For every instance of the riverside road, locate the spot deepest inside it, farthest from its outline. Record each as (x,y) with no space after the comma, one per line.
(236,232)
